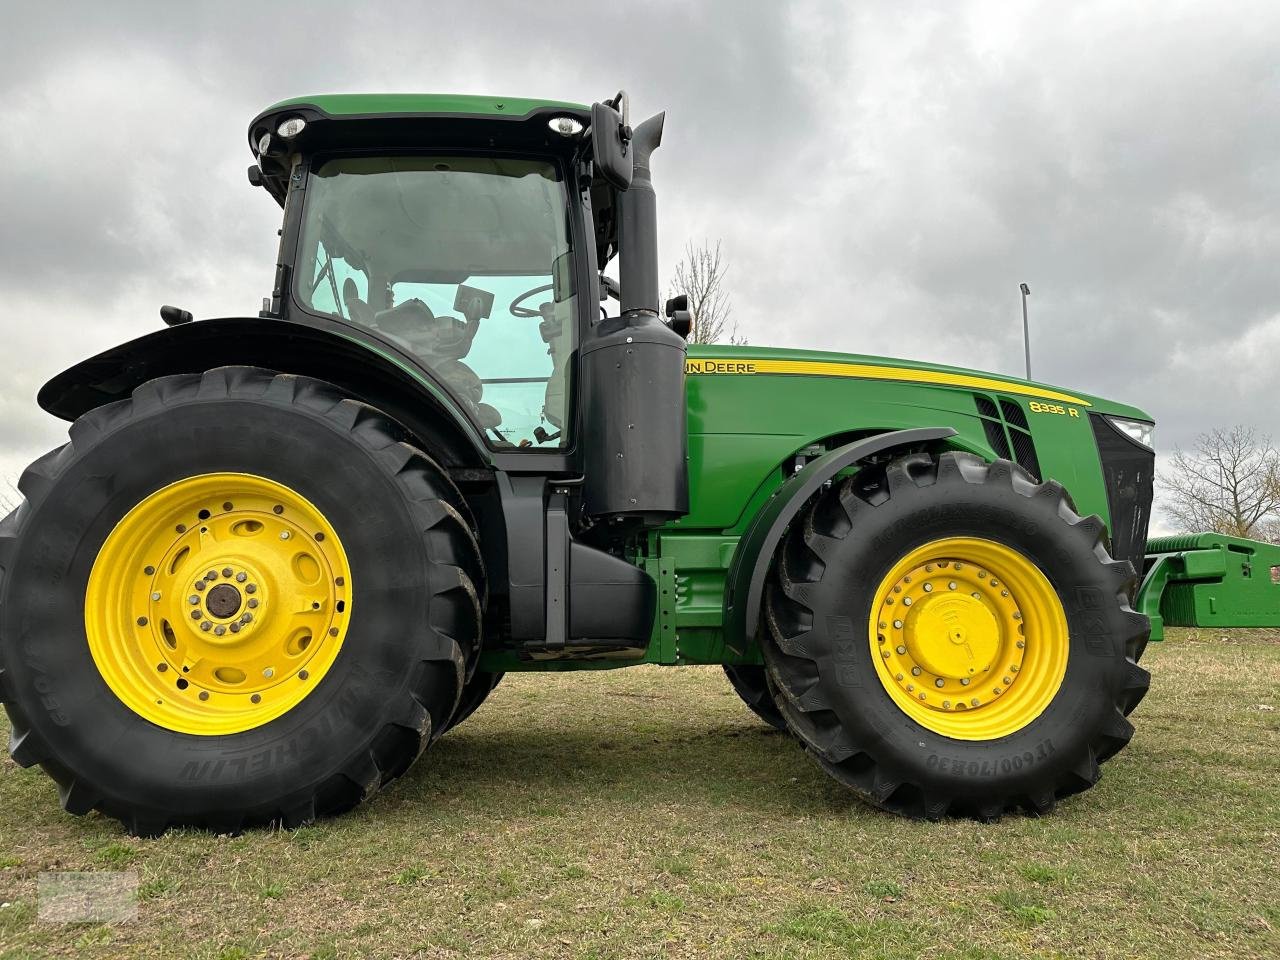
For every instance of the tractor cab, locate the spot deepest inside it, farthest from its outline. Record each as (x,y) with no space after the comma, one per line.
(468,234)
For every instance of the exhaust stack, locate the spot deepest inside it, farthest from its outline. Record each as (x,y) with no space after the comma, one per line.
(638,225)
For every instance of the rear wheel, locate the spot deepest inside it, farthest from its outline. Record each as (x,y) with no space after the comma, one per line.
(751,683)
(235,598)
(948,636)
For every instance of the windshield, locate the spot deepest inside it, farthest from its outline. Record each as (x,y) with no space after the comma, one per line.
(466,263)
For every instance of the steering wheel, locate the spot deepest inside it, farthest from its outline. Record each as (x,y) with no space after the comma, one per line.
(526,312)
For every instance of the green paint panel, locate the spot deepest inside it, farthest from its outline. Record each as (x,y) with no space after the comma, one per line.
(1212,580)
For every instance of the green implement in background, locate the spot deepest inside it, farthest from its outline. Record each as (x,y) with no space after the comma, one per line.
(1210,580)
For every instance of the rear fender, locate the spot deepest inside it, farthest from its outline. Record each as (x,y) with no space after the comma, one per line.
(376,373)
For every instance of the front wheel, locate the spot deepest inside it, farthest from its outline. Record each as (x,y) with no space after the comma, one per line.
(948,636)
(234,598)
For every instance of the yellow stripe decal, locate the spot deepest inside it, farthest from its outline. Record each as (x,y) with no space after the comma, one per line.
(867,371)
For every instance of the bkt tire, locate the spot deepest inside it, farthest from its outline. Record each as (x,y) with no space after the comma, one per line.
(948,637)
(235,598)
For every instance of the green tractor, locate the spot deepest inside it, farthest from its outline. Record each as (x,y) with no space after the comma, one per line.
(283,554)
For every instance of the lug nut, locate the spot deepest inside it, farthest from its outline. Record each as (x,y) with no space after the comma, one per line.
(196,614)
(1008,680)
(946,704)
(219,630)
(269,672)
(906,601)
(247,618)
(226,572)
(251,588)
(928,588)
(256,698)
(206,626)
(235,628)
(951,585)
(284,534)
(253,603)
(148,570)
(900,677)
(939,682)
(897,624)
(964,681)
(193,599)
(901,649)
(200,584)
(211,576)
(1017,615)
(155,596)
(915,671)
(142,621)
(1013,669)
(241,577)
(975,701)
(303,674)
(204,694)
(1021,644)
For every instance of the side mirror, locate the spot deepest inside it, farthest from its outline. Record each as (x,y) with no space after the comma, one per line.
(679,317)
(611,142)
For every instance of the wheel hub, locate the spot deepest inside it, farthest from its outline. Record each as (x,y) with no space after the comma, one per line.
(218,603)
(223,601)
(950,636)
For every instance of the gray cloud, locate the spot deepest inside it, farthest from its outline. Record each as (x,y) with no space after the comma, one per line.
(881,175)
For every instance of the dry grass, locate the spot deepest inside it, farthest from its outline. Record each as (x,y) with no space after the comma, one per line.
(645,813)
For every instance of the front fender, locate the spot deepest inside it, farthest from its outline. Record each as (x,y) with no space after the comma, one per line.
(369,370)
(744,586)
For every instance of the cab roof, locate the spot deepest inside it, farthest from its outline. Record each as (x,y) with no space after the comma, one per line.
(405,121)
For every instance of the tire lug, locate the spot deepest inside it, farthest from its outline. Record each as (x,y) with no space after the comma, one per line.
(220,630)
(206,626)
(196,614)
(253,603)
(251,588)
(193,599)
(247,618)
(226,572)
(241,577)
(235,628)
(200,584)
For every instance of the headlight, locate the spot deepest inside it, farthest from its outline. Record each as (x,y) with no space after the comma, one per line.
(291,128)
(1140,431)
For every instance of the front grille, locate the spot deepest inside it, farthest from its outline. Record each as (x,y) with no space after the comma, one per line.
(1008,432)
(1128,470)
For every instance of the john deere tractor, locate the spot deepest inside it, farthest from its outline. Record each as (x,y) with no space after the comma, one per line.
(282,554)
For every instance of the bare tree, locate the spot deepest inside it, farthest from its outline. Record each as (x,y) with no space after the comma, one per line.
(9,496)
(1230,483)
(700,276)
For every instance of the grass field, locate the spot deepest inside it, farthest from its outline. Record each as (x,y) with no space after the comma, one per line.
(646,813)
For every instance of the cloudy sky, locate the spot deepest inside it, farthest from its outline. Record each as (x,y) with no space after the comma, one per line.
(881,175)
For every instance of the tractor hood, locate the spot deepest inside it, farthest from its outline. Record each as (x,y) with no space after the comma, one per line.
(714,359)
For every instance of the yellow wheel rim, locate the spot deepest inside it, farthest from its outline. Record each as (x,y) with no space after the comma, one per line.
(218,604)
(969,638)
